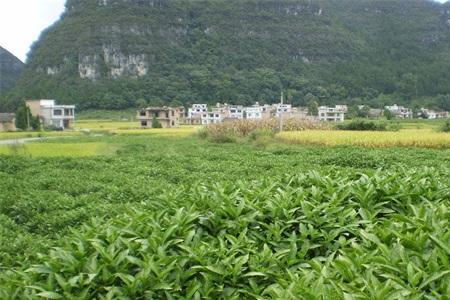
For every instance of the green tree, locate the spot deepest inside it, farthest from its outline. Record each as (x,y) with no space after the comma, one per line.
(363,112)
(313,106)
(388,114)
(175,103)
(156,123)
(23,117)
(35,122)
(141,103)
(407,86)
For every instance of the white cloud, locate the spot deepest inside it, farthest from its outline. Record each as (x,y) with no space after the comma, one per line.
(21,22)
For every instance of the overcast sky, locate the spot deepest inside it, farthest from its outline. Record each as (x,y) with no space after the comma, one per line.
(21,22)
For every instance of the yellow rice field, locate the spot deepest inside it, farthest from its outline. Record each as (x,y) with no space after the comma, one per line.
(424,138)
(133,128)
(58,149)
(167,132)
(106,125)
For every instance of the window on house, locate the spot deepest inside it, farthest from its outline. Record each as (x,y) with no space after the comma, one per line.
(173,113)
(167,114)
(142,113)
(173,123)
(57,112)
(143,123)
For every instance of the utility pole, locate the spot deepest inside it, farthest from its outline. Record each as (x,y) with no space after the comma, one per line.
(281,112)
(28,117)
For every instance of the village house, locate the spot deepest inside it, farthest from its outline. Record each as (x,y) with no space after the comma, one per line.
(375,113)
(400,112)
(332,114)
(7,122)
(52,115)
(213,117)
(197,109)
(432,114)
(199,113)
(282,109)
(168,117)
(196,113)
(235,112)
(254,112)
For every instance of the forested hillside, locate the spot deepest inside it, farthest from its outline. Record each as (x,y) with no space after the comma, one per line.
(10,70)
(116,53)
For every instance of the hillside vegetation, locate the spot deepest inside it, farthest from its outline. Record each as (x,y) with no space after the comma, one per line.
(10,69)
(112,53)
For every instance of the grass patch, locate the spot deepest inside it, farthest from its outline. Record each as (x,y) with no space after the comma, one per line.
(106,125)
(22,135)
(422,138)
(58,149)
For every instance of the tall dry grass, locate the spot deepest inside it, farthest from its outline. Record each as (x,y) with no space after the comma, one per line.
(229,131)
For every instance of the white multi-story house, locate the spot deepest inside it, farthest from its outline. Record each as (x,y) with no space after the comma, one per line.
(332,114)
(197,109)
(235,112)
(400,111)
(284,109)
(50,114)
(213,117)
(254,112)
(195,114)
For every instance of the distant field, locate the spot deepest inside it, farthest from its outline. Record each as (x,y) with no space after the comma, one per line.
(118,127)
(58,149)
(21,135)
(105,125)
(418,124)
(424,138)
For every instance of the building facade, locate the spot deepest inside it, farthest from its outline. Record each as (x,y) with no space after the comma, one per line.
(432,114)
(168,117)
(7,122)
(254,112)
(50,114)
(400,112)
(332,114)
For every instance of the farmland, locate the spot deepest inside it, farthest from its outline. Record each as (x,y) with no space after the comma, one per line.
(425,138)
(166,215)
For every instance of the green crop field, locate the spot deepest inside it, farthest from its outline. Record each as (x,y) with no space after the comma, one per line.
(172,216)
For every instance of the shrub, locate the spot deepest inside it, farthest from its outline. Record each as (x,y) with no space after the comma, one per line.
(260,133)
(156,123)
(363,125)
(446,126)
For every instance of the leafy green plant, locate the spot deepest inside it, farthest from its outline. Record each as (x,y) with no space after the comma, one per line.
(446,126)
(156,123)
(183,218)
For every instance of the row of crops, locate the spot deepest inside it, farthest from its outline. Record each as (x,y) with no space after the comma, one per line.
(185,219)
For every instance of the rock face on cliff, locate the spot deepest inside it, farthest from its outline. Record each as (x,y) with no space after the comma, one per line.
(10,69)
(110,53)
